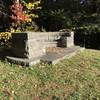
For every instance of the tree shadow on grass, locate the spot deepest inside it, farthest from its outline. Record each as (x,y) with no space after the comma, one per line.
(4,52)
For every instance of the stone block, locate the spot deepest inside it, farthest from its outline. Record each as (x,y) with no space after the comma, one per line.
(67,41)
(25,46)
(23,61)
(29,47)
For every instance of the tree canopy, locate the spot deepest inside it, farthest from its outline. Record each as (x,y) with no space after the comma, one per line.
(52,15)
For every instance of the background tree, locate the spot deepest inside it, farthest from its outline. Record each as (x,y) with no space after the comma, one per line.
(88,24)
(23,15)
(4,14)
(31,9)
(58,14)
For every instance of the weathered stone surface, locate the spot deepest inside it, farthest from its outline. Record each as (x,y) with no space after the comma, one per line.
(66,40)
(53,57)
(30,45)
(23,61)
(70,40)
(24,46)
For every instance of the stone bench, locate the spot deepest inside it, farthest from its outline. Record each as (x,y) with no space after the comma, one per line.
(30,45)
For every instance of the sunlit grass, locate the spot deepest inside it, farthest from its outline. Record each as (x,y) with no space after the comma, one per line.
(77,78)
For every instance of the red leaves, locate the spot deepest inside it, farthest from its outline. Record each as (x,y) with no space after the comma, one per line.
(17,10)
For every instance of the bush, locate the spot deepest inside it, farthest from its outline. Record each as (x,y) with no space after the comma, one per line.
(88,38)
(5,38)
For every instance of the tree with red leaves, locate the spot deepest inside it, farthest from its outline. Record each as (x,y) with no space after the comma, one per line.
(18,14)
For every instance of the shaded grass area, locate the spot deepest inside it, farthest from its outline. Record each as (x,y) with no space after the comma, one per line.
(77,78)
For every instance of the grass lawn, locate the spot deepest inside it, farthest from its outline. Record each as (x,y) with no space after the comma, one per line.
(77,78)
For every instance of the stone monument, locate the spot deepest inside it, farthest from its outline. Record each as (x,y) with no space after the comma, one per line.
(29,47)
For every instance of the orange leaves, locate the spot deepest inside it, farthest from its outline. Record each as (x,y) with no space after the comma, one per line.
(18,15)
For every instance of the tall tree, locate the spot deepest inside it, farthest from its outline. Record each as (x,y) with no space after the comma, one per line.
(58,14)
(23,15)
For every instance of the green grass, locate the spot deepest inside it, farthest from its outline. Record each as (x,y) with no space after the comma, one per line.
(77,78)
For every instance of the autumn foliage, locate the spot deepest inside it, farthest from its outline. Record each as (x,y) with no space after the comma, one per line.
(17,12)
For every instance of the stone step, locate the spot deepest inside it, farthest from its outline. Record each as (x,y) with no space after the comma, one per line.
(23,61)
(50,44)
(54,56)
